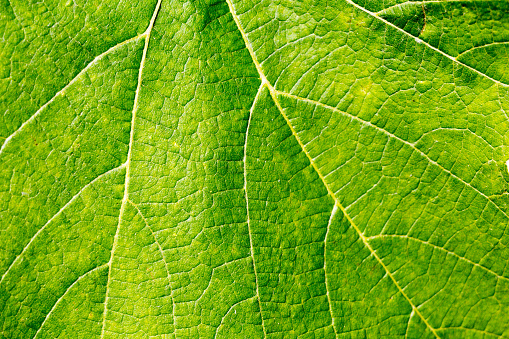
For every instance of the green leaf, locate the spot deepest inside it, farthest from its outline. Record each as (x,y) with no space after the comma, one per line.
(254,169)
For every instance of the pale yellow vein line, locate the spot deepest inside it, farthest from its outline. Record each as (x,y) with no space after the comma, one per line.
(110,261)
(273,94)
(361,235)
(162,255)
(64,89)
(381,236)
(247,206)
(408,323)
(128,162)
(247,43)
(368,123)
(264,82)
(63,295)
(333,213)
(423,42)
(56,215)
(483,46)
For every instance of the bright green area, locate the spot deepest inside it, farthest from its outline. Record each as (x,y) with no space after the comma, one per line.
(284,169)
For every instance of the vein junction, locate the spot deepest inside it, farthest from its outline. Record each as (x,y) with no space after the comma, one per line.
(66,87)
(274,94)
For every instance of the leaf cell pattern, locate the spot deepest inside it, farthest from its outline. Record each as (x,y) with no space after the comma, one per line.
(254,169)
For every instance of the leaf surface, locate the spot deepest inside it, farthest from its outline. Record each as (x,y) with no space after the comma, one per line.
(254,169)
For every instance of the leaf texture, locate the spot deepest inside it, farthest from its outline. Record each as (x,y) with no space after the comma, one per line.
(254,169)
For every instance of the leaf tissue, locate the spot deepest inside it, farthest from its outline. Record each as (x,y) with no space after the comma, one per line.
(254,169)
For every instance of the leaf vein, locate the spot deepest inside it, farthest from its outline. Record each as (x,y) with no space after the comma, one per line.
(333,213)
(482,46)
(424,42)
(129,153)
(441,249)
(361,235)
(251,250)
(368,123)
(273,94)
(64,89)
(64,294)
(402,4)
(228,312)
(56,215)
(162,254)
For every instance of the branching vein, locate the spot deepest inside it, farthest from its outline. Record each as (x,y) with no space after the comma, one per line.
(64,294)
(247,205)
(66,87)
(273,94)
(484,268)
(368,123)
(424,42)
(482,46)
(160,250)
(55,216)
(424,2)
(129,153)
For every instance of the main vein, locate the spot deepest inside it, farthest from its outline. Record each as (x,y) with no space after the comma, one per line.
(273,94)
(247,207)
(331,218)
(125,199)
